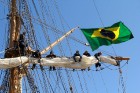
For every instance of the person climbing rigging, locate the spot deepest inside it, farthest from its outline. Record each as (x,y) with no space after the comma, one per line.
(51,55)
(37,54)
(86,53)
(22,43)
(77,55)
(98,64)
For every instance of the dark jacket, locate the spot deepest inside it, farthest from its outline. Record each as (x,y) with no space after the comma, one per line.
(97,55)
(51,56)
(36,54)
(86,54)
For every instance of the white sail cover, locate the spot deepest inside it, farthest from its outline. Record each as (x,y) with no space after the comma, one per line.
(108,59)
(67,62)
(57,62)
(12,62)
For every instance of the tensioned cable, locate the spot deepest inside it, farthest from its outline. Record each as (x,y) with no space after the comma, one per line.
(103,82)
(62,81)
(80,82)
(92,78)
(43,29)
(49,79)
(61,20)
(44,80)
(31,26)
(85,81)
(111,45)
(71,81)
(26,88)
(60,44)
(102,22)
(117,68)
(98,13)
(122,83)
(58,31)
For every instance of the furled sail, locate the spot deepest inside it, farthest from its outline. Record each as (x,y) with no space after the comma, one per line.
(12,62)
(66,62)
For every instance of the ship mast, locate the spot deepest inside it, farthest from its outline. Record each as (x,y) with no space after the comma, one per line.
(15,86)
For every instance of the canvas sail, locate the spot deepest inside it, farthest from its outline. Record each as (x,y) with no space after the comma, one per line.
(66,62)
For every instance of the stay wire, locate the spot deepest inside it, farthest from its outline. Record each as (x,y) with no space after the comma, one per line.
(122,83)
(102,21)
(44,80)
(85,81)
(93,80)
(117,68)
(49,79)
(103,82)
(80,82)
(98,12)
(62,22)
(62,81)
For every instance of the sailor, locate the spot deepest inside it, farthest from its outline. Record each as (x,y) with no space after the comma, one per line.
(77,55)
(22,44)
(96,56)
(37,54)
(15,44)
(22,36)
(51,55)
(88,55)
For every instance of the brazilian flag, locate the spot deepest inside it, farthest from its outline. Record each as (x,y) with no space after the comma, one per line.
(117,33)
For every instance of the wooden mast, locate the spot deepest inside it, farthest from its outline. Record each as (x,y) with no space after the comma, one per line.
(15,86)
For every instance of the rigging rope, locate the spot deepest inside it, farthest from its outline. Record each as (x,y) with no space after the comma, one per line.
(45,76)
(5,82)
(104,82)
(62,80)
(43,29)
(102,22)
(92,78)
(31,82)
(49,79)
(80,82)
(98,12)
(85,82)
(122,83)
(58,31)
(60,74)
(117,68)
(26,14)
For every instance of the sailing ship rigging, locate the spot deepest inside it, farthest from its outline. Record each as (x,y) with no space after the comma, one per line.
(35,18)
